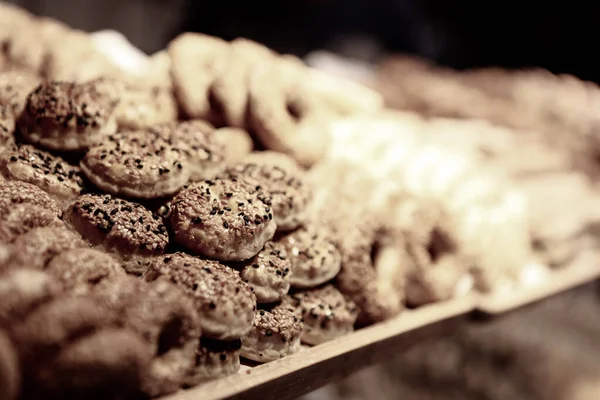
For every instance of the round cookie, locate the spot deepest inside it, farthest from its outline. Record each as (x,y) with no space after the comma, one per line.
(326,313)
(223,301)
(268,273)
(36,248)
(274,335)
(7,127)
(67,116)
(229,90)
(226,219)
(144,106)
(214,359)
(55,324)
(107,364)
(15,86)
(236,142)
(136,164)
(10,377)
(22,291)
(122,227)
(78,269)
(21,218)
(313,256)
(50,173)
(17,192)
(285,114)
(196,60)
(281,179)
(165,318)
(205,155)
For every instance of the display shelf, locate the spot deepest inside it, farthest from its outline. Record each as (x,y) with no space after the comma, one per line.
(583,269)
(314,367)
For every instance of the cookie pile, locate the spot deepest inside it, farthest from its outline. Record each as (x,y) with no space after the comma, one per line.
(145,246)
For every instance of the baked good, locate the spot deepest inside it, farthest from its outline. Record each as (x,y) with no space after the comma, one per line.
(214,359)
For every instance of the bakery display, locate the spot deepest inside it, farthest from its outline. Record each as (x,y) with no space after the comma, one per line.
(157,224)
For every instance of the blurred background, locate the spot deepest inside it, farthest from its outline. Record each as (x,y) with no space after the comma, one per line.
(555,35)
(548,351)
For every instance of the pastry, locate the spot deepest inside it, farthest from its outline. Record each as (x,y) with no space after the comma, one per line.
(214,359)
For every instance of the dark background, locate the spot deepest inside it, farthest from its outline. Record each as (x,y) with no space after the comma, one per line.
(554,35)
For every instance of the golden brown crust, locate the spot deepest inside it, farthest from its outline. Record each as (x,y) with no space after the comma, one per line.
(224,302)
(223,218)
(268,273)
(121,226)
(136,164)
(44,170)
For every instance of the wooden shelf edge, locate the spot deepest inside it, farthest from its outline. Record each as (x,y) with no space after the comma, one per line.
(584,269)
(314,367)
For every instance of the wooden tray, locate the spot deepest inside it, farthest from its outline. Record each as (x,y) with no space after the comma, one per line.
(584,269)
(314,367)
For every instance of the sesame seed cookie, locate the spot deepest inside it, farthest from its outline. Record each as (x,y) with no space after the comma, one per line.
(223,301)
(136,164)
(107,364)
(50,173)
(122,227)
(68,116)
(78,269)
(17,192)
(196,60)
(21,218)
(282,180)
(15,86)
(214,359)
(268,273)
(165,318)
(10,375)
(143,106)
(22,291)
(326,313)
(36,248)
(285,114)
(225,219)
(314,258)
(195,140)
(274,335)
(229,90)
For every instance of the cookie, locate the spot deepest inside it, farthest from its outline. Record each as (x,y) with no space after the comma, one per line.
(225,219)
(223,301)
(10,376)
(36,248)
(268,273)
(17,192)
(326,313)
(50,173)
(167,321)
(68,116)
(22,291)
(229,89)
(214,359)
(274,335)
(124,228)
(137,165)
(78,269)
(313,257)
(282,180)
(285,114)
(195,140)
(236,142)
(7,127)
(21,218)
(196,60)
(108,364)
(15,86)
(143,106)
